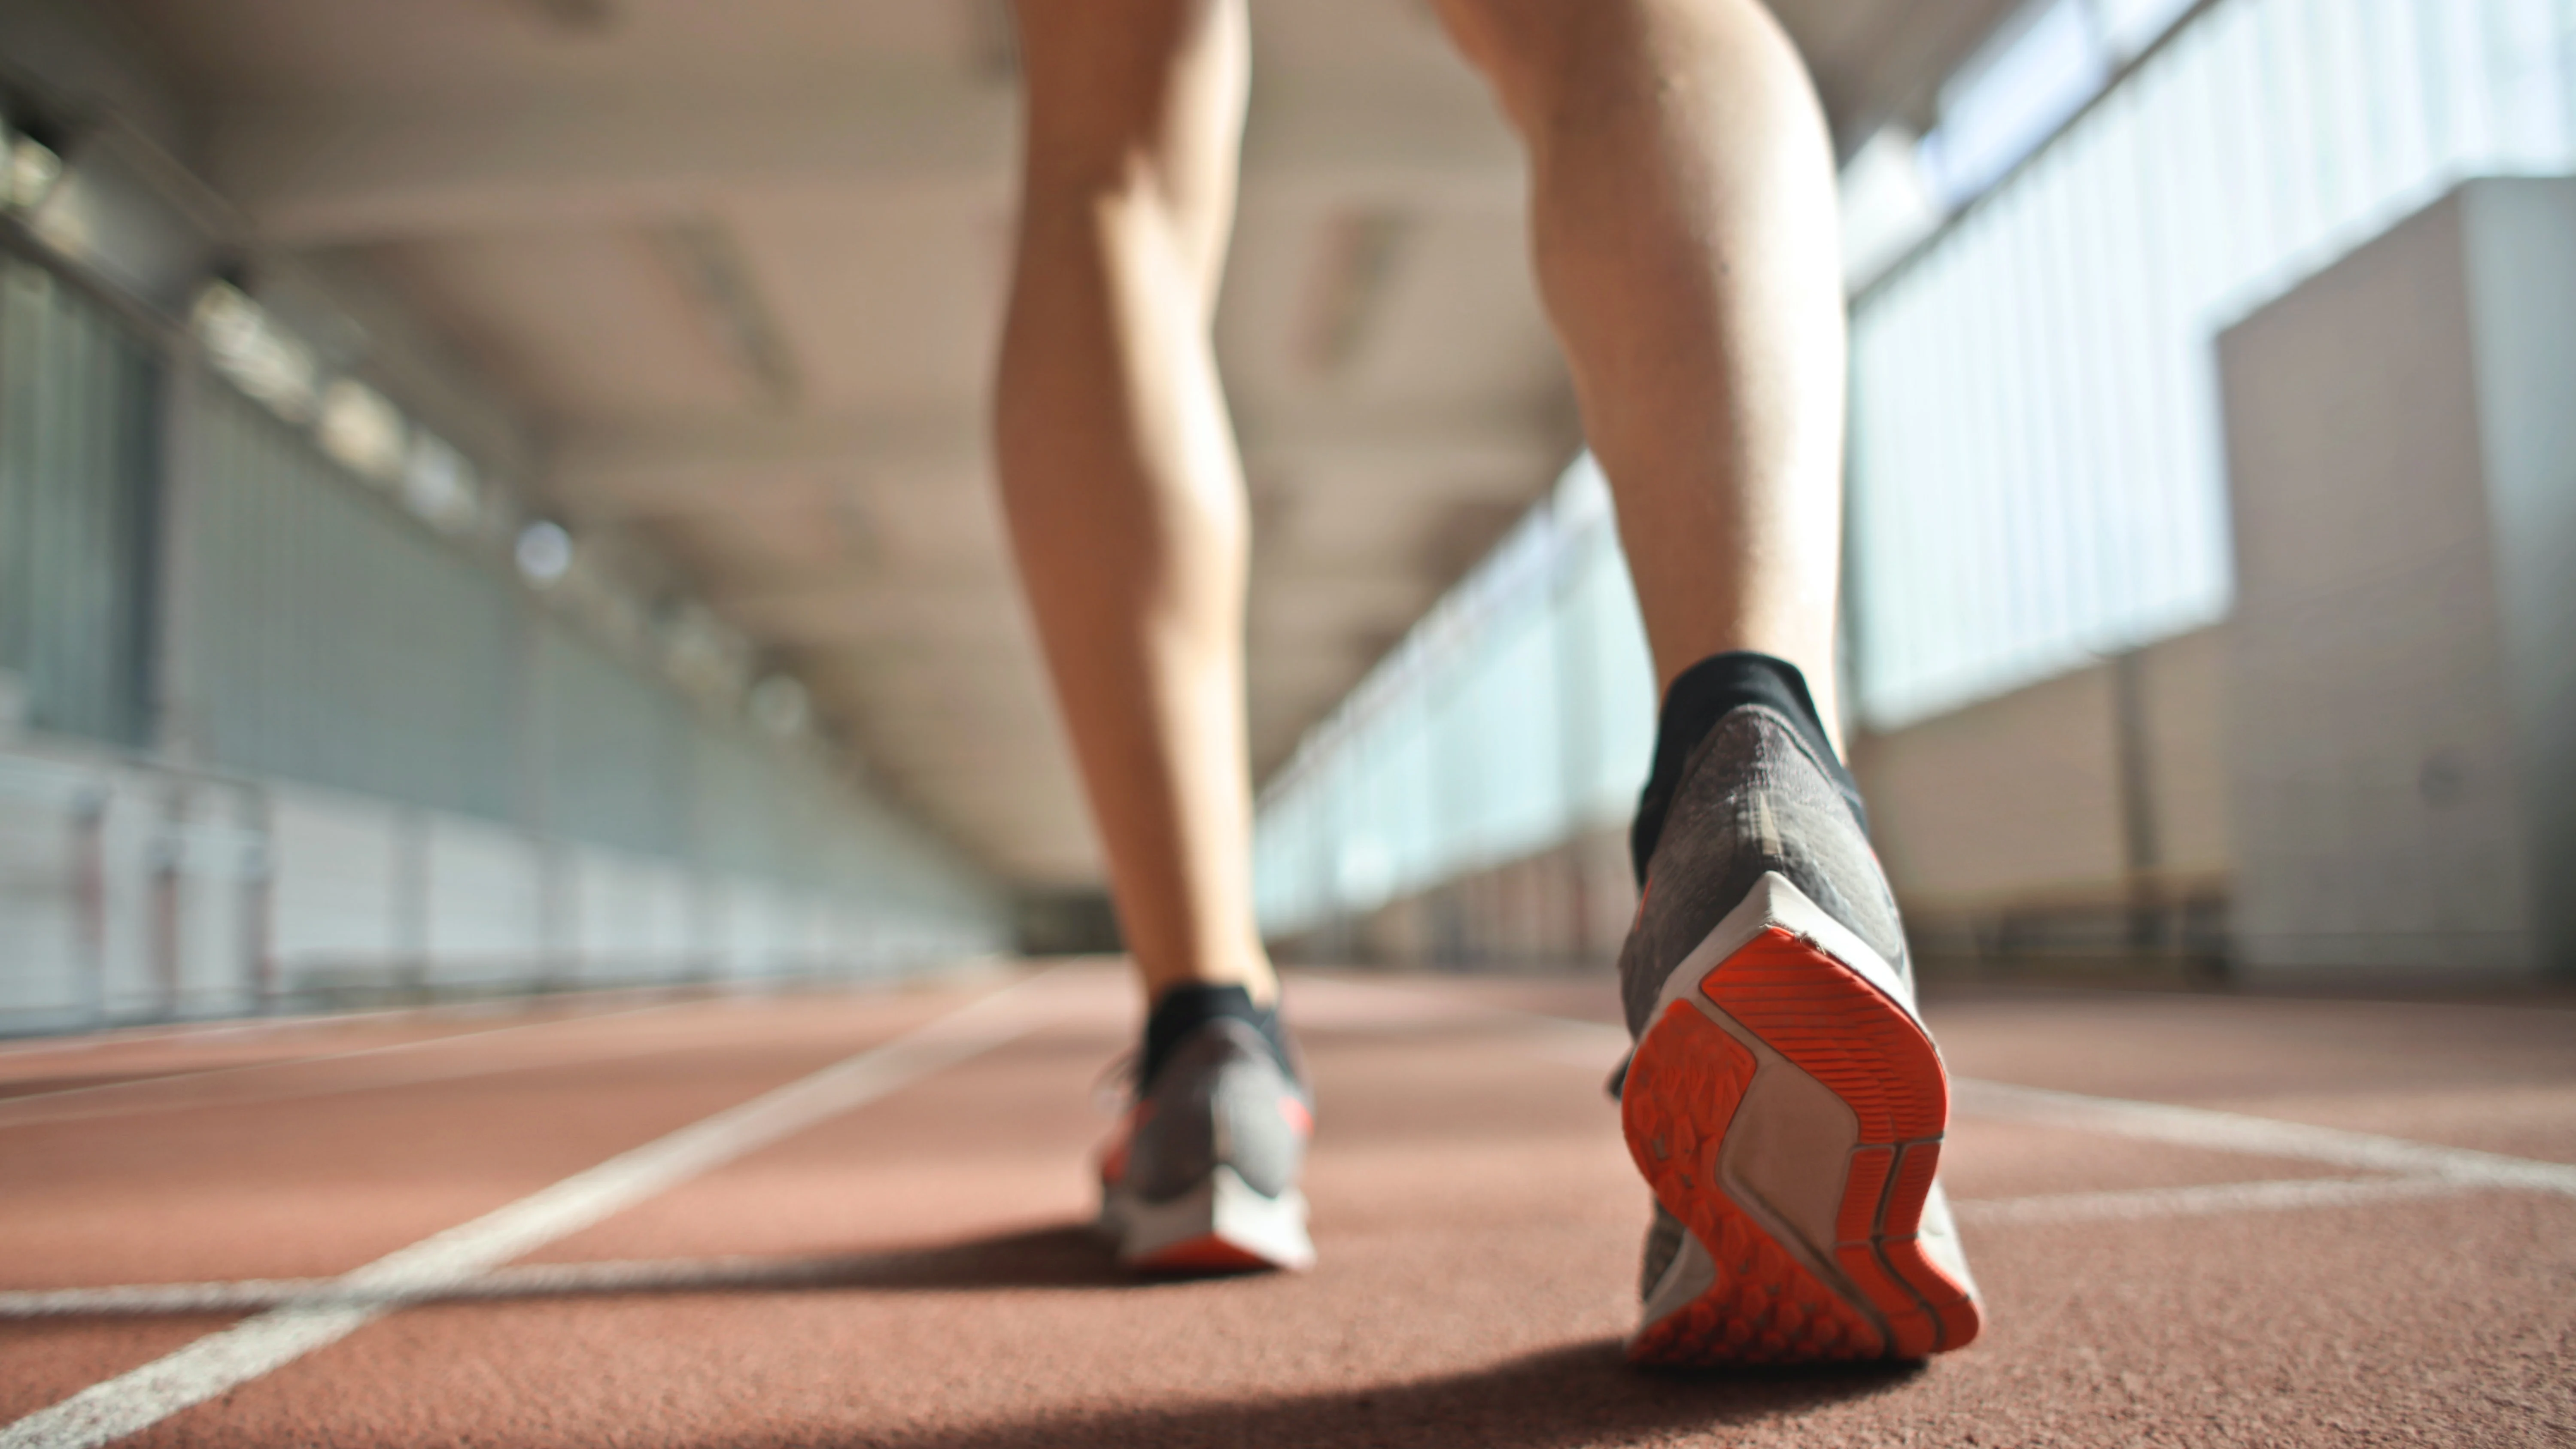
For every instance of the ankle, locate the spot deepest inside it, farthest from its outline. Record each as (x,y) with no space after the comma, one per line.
(1704,694)
(1183,1009)
(1249,968)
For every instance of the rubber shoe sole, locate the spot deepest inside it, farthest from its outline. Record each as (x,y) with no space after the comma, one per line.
(1223,1225)
(1788,1108)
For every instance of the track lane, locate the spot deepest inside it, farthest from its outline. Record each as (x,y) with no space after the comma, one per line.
(115,1064)
(316,1186)
(909,1274)
(220,1362)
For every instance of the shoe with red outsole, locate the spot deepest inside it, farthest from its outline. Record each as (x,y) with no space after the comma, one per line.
(1201,1175)
(1783,1099)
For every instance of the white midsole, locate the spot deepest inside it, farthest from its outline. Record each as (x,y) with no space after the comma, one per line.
(1774,901)
(1224,1207)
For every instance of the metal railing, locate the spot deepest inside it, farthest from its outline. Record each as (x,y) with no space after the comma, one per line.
(130,891)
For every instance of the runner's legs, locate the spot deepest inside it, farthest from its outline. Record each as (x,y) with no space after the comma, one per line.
(1684,229)
(1117,457)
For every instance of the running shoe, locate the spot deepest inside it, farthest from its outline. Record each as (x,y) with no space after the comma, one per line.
(1783,1098)
(1201,1174)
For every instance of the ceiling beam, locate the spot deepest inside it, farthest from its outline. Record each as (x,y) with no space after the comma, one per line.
(605,473)
(343,175)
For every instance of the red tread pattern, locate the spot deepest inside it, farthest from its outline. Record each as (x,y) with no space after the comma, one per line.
(1685,1083)
(1680,1096)
(1207,1253)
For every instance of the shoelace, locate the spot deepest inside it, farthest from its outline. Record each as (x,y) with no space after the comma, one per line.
(1115,1087)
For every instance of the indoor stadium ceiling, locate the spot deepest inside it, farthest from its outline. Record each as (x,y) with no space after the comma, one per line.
(738,268)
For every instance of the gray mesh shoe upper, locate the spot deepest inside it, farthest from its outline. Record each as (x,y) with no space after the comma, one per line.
(1752,799)
(1221,1098)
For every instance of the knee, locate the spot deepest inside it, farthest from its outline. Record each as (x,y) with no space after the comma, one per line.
(1548,60)
(1132,99)
(1535,52)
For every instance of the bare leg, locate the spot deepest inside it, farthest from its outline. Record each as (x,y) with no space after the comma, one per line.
(1118,461)
(1683,218)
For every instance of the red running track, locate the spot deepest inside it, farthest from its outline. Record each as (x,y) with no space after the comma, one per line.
(2378,1245)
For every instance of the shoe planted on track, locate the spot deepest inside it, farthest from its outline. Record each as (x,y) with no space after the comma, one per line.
(1783,1099)
(1202,1174)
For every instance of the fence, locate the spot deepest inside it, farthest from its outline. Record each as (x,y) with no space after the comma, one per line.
(2037,476)
(269,735)
(132,892)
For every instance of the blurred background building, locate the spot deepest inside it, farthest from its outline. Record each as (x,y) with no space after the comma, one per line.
(493,498)
(2263,666)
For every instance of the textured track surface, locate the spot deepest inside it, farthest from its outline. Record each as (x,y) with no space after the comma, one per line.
(914,1273)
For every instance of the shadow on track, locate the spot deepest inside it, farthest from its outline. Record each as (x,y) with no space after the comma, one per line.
(1581,1394)
(1066,1256)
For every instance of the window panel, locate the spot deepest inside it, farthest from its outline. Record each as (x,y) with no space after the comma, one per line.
(2035,462)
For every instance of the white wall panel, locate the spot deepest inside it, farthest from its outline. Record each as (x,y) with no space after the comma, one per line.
(44,935)
(78,394)
(486,910)
(2378,798)
(2037,474)
(338,859)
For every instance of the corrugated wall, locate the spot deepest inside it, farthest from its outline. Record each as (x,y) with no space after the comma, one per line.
(1519,714)
(2038,524)
(325,637)
(78,394)
(270,737)
(2037,474)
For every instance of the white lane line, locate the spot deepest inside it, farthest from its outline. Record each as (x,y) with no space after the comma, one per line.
(2259,1136)
(1592,1044)
(533,1280)
(386,1081)
(226,1360)
(106,1038)
(13,1115)
(856,1270)
(2202,1200)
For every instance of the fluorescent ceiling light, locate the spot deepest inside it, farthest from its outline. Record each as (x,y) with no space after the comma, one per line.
(544,553)
(699,652)
(32,168)
(260,357)
(439,484)
(362,431)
